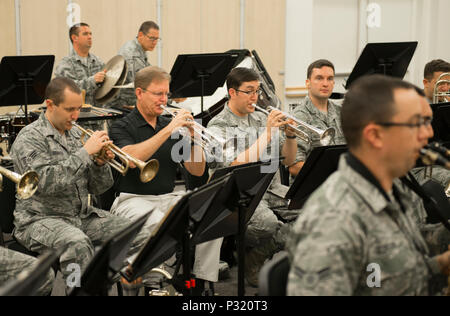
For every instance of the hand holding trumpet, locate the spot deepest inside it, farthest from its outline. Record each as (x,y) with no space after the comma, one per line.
(98,144)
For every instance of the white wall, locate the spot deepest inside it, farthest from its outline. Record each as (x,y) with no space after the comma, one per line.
(337,30)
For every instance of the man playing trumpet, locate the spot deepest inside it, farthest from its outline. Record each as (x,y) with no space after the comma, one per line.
(145,134)
(265,233)
(59,215)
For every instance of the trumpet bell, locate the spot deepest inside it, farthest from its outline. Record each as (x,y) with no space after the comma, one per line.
(149,170)
(327,137)
(27,185)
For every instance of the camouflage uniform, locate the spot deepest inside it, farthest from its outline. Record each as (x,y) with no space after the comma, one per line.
(347,225)
(58,214)
(74,67)
(264,224)
(12,263)
(438,173)
(308,113)
(136,60)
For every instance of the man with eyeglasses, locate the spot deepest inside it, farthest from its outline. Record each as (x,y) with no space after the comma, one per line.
(134,52)
(258,139)
(357,234)
(146,134)
(86,69)
(317,110)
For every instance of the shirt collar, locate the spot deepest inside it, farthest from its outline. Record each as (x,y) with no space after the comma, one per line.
(364,182)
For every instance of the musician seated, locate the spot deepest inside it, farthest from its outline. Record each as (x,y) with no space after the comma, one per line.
(83,67)
(317,110)
(58,215)
(432,71)
(146,134)
(13,263)
(135,55)
(258,139)
(356,235)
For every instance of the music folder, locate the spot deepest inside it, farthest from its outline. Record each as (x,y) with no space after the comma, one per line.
(175,229)
(199,75)
(320,164)
(441,122)
(391,59)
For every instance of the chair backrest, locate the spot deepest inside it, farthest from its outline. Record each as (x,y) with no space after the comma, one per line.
(273,276)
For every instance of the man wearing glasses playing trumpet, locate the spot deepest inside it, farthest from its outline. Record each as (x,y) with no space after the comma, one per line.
(257,136)
(146,134)
(58,215)
(135,54)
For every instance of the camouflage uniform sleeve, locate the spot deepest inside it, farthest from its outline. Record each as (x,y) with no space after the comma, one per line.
(100,179)
(325,263)
(66,69)
(303,148)
(31,152)
(228,154)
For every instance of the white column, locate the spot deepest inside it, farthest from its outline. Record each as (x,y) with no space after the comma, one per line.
(299,40)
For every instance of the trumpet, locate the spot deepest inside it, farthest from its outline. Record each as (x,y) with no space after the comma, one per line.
(148,169)
(26,185)
(205,139)
(431,157)
(440,149)
(326,137)
(441,96)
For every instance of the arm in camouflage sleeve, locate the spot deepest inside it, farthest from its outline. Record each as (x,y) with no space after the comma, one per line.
(33,153)
(100,179)
(66,69)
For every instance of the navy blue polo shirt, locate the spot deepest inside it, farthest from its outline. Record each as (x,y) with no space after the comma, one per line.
(134,129)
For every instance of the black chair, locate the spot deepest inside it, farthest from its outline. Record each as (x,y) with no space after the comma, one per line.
(273,276)
(284,175)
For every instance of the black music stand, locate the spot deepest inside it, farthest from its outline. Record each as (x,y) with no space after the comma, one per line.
(23,80)
(391,59)
(29,283)
(441,122)
(108,261)
(196,75)
(322,162)
(175,230)
(240,197)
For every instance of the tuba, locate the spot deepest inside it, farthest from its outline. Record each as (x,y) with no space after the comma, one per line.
(26,185)
(441,96)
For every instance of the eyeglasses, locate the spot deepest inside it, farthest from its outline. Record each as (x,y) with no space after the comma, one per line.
(251,93)
(159,94)
(422,121)
(153,39)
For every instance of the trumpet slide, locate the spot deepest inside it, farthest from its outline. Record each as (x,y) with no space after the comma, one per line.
(326,137)
(148,169)
(26,185)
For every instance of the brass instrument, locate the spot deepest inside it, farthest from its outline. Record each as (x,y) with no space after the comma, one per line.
(431,157)
(148,169)
(26,184)
(205,139)
(326,137)
(441,96)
